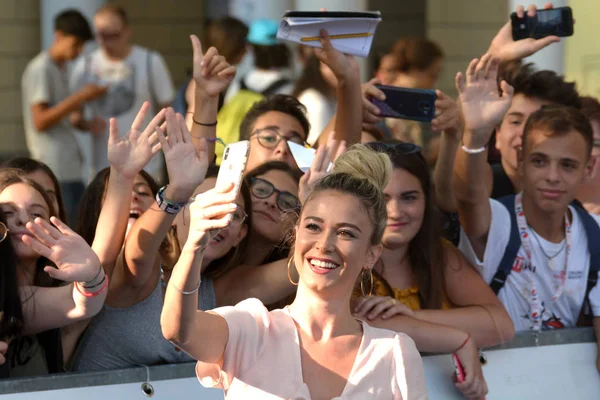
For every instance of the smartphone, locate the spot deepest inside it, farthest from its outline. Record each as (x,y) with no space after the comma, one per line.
(233,165)
(458,369)
(405,103)
(553,22)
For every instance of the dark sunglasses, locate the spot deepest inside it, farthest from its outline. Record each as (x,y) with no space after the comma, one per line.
(262,189)
(404,148)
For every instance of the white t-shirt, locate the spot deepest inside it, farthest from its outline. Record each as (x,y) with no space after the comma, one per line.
(44,82)
(564,312)
(259,80)
(319,110)
(142,76)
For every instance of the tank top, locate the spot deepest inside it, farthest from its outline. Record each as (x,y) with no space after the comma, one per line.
(124,337)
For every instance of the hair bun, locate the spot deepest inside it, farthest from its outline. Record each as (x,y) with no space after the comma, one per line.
(362,162)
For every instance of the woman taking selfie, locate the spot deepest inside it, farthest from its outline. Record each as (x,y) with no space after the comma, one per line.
(338,236)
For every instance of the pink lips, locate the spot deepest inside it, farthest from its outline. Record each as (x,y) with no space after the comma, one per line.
(551,194)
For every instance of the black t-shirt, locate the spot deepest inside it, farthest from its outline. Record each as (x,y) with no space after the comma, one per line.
(502,183)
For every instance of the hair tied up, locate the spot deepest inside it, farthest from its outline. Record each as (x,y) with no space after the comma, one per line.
(363,163)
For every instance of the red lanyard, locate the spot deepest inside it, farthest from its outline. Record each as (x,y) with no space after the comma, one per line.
(559,276)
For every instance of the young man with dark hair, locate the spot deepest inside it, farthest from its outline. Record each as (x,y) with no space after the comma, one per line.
(269,125)
(133,75)
(536,249)
(532,90)
(47,104)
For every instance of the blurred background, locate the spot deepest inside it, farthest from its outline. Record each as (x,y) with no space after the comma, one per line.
(462,28)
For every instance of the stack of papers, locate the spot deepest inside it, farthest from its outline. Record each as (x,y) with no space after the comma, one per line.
(350,32)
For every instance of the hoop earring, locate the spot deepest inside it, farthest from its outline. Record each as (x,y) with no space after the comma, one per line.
(289,274)
(362,283)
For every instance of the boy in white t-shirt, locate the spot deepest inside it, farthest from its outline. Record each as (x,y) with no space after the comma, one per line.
(547,285)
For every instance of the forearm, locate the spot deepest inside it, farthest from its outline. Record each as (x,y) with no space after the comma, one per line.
(348,119)
(487,328)
(324,136)
(442,175)
(51,116)
(112,223)
(429,337)
(178,318)
(204,111)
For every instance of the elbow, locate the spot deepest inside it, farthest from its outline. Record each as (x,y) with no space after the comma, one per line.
(171,329)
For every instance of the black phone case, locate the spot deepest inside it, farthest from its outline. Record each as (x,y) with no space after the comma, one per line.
(331,14)
(523,28)
(405,103)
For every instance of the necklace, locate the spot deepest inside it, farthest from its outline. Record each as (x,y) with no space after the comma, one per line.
(550,258)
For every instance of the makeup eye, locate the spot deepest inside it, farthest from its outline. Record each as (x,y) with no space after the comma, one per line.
(312,227)
(347,233)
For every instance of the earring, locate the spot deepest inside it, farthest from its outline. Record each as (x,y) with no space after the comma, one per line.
(362,283)
(289,274)
(3,231)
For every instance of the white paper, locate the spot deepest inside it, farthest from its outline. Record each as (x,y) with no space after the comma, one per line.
(304,156)
(296,29)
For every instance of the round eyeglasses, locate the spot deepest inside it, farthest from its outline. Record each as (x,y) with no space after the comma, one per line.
(262,189)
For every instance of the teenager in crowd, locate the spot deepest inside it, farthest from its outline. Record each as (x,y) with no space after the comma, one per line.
(42,174)
(331,354)
(133,75)
(589,192)
(135,295)
(544,289)
(47,106)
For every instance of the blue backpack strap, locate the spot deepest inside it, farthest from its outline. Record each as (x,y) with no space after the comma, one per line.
(592,232)
(514,244)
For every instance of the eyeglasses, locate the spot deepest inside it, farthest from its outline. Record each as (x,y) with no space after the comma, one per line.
(108,36)
(3,232)
(270,137)
(239,216)
(404,148)
(596,143)
(262,189)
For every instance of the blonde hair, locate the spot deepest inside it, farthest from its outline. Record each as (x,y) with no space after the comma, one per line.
(363,173)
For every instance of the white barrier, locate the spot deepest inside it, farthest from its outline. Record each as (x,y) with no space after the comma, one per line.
(523,372)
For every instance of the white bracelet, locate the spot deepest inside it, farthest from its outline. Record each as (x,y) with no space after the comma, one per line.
(191,291)
(473,151)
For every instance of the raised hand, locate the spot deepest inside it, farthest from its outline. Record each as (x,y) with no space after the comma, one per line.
(130,154)
(324,156)
(448,116)
(186,165)
(504,48)
(210,212)
(342,65)
(371,113)
(483,107)
(76,261)
(212,73)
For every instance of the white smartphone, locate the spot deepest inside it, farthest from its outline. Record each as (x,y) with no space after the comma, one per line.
(233,165)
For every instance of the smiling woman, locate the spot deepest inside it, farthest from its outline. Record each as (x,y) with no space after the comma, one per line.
(329,353)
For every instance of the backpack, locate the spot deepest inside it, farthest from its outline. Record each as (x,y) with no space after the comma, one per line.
(592,230)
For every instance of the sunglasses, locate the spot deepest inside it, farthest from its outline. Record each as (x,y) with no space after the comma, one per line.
(262,189)
(269,138)
(3,232)
(404,148)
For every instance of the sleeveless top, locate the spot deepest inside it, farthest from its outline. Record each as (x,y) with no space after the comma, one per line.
(124,337)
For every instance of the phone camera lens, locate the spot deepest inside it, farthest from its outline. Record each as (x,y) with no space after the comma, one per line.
(226,153)
(522,26)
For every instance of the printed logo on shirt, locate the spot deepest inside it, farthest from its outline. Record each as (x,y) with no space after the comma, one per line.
(572,275)
(550,320)
(519,264)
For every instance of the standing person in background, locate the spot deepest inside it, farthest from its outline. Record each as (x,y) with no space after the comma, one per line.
(133,74)
(316,90)
(47,104)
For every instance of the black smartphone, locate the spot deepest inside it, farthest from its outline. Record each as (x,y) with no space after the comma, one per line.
(553,22)
(405,103)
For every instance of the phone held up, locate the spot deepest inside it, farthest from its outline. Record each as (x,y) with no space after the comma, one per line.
(233,165)
(405,103)
(552,22)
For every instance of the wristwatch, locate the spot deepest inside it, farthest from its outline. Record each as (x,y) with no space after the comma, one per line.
(166,205)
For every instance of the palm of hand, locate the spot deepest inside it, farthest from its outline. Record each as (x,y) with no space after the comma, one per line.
(185,166)
(75,259)
(129,154)
(482,105)
(212,85)
(341,64)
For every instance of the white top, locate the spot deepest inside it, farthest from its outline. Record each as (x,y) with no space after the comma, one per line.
(262,360)
(43,82)
(319,110)
(514,295)
(258,80)
(142,76)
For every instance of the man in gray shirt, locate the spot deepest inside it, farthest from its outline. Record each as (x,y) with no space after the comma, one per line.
(47,106)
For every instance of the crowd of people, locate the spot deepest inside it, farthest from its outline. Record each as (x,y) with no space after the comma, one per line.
(442,237)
